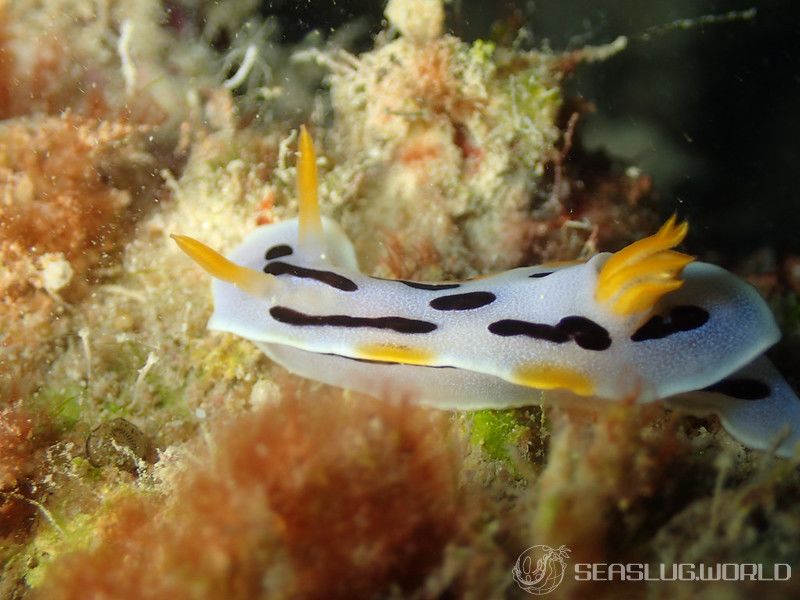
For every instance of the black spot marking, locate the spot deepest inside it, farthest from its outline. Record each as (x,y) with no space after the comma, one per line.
(278,251)
(539,331)
(418,285)
(742,388)
(584,332)
(680,318)
(327,277)
(288,316)
(538,275)
(467,301)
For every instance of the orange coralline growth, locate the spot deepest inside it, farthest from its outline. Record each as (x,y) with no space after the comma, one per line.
(21,438)
(56,194)
(264,215)
(413,152)
(16,435)
(216,544)
(419,79)
(310,498)
(366,493)
(66,189)
(42,88)
(434,83)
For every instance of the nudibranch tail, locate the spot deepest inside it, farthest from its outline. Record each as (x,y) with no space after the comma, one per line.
(251,281)
(311,237)
(635,278)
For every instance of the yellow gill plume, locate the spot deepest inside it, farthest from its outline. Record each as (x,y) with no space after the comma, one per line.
(633,279)
(251,281)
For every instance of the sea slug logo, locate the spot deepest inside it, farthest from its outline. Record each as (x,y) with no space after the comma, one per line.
(540,569)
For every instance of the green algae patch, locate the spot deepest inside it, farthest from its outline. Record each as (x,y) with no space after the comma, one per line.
(63,404)
(74,534)
(495,431)
(532,96)
(166,396)
(481,51)
(66,532)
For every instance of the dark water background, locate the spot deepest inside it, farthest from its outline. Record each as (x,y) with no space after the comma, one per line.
(712,112)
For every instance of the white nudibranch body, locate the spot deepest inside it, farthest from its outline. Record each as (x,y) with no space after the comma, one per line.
(643,324)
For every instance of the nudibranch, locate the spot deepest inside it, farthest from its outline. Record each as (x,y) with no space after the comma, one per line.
(646,323)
